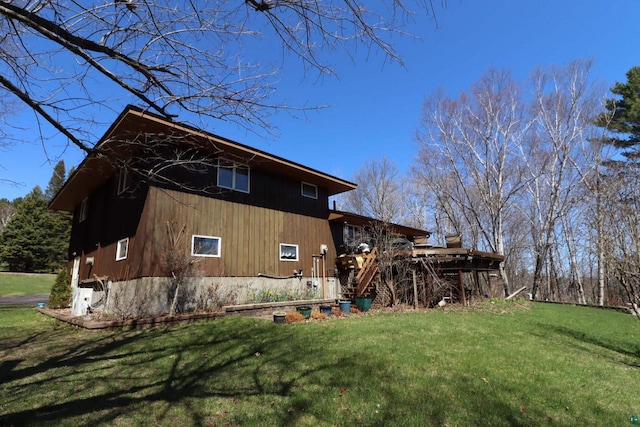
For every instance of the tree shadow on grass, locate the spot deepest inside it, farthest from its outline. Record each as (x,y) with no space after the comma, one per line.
(101,378)
(631,357)
(186,374)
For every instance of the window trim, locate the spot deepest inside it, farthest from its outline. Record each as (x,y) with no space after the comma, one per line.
(233,166)
(84,207)
(122,243)
(201,236)
(309,185)
(123,181)
(289,245)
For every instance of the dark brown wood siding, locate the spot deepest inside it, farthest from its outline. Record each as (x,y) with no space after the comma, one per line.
(250,235)
(251,227)
(266,190)
(110,218)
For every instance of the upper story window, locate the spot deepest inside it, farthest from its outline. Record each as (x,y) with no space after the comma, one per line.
(234,176)
(123,181)
(84,207)
(309,190)
(208,246)
(122,249)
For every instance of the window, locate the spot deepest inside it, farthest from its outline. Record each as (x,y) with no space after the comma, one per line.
(288,252)
(123,181)
(122,249)
(233,176)
(208,246)
(351,232)
(82,215)
(309,190)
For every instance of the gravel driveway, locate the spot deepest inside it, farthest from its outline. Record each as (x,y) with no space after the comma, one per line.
(24,300)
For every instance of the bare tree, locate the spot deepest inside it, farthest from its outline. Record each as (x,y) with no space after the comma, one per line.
(180,267)
(68,61)
(379,194)
(471,157)
(621,243)
(564,106)
(7,210)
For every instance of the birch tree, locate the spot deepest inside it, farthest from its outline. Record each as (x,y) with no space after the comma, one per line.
(7,210)
(476,140)
(563,108)
(622,241)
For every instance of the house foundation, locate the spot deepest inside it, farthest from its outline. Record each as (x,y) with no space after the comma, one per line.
(155,295)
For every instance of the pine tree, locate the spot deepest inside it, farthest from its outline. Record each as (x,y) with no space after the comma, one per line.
(622,118)
(36,238)
(56,181)
(21,244)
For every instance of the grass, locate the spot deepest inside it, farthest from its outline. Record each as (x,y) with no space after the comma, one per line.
(15,284)
(498,364)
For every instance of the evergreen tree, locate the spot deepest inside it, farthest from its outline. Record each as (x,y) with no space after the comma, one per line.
(622,118)
(21,245)
(60,222)
(60,296)
(56,181)
(36,238)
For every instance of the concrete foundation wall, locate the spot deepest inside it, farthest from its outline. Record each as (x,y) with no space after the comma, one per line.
(154,295)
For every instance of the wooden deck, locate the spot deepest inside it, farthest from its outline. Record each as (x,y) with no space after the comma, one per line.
(457,259)
(440,261)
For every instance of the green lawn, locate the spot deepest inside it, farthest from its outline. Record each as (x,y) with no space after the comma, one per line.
(14,284)
(500,364)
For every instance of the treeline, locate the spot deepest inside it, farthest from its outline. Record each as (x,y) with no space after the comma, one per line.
(544,172)
(34,238)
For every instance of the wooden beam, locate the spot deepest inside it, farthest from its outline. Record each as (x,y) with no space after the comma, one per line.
(516,292)
(415,289)
(462,292)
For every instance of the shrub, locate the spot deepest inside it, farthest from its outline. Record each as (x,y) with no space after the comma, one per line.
(61,291)
(318,315)
(294,317)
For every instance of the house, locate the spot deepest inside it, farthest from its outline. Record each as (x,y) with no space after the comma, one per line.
(169,216)
(157,198)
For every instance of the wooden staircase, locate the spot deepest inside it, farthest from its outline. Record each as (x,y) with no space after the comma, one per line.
(364,279)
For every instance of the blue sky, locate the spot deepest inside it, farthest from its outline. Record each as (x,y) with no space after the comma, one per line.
(375,105)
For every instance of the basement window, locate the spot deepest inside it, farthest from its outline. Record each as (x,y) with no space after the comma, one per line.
(288,252)
(207,246)
(233,176)
(122,249)
(309,190)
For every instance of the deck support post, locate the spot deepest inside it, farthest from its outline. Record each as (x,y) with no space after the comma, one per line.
(462,292)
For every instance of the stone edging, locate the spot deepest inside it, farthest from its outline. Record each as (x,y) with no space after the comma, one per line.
(259,309)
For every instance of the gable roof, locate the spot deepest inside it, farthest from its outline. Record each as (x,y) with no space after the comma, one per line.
(96,168)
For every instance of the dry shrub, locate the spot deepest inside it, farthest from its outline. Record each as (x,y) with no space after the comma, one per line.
(336,312)
(318,315)
(293,317)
